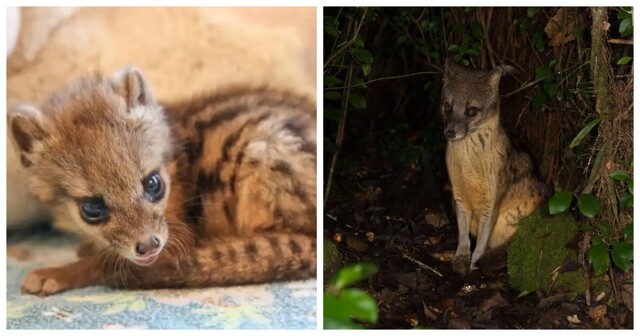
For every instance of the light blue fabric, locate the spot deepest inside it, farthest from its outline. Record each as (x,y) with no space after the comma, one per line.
(290,305)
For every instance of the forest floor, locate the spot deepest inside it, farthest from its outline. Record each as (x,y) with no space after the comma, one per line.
(401,220)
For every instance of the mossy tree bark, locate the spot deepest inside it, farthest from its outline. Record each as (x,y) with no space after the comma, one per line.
(601,72)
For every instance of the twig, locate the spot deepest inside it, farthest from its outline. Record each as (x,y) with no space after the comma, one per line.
(620,41)
(340,135)
(342,48)
(537,81)
(382,78)
(423,265)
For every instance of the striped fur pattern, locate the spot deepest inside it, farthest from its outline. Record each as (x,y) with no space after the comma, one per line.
(494,184)
(238,170)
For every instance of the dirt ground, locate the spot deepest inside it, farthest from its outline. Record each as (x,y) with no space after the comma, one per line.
(399,217)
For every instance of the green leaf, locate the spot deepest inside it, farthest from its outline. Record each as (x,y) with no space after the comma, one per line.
(331,26)
(473,52)
(599,258)
(524,293)
(453,47)
(585,228)
(352,274)
(623,249)
(583,133)
(623,264)
(596,240)
(358,42)
(628,231)
(588,205)
(619,175)
(363,55)
(336,315)
(626,200)
(631,187)
(605,231)
(331,81)
(560,202)
(357,101)
(359,305)
(622,255)
(624,12)
(331,323)
(626,27)
(366,69)
(542,72)
(531,11)
(624,60)
(538,100)
(537,42)
(550,88)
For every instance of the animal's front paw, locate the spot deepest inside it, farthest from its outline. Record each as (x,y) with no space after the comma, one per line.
(460,264)
(45,281)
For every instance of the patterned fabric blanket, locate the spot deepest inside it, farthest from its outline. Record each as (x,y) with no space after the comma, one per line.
(290,305)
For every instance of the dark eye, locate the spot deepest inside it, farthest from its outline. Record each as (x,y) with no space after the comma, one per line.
(447,108)
(93,210)
(471,112)
(153,187)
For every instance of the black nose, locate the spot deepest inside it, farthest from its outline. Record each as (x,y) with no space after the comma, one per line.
(150,247)
(450,133)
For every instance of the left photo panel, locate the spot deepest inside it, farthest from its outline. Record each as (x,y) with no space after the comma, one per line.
(161,168)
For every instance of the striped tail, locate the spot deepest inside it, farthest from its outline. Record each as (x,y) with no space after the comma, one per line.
(233,261)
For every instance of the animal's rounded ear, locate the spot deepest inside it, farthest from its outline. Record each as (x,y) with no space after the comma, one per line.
(451,69)
(27,130)
(447,69)
(131,84)
(498,72)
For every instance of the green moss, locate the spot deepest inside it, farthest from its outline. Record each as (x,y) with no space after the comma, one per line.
(538,248)
(331,258)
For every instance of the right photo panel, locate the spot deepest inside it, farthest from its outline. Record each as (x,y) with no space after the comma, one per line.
(478,168)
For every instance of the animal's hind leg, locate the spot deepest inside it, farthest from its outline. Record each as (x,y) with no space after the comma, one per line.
(276,193)
(266,203)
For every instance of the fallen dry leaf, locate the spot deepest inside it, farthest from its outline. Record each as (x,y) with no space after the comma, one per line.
(598,312)
(432,240)
(370,236)
(574,319)
(496,300)
(356,243)
(560,28)
(627,295)
(429,312)
(459,324)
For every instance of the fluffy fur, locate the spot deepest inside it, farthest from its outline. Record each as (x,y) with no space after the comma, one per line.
(239,171)
(494,184)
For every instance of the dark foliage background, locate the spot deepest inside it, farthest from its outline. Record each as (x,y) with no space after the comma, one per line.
(387,199)
(394,123)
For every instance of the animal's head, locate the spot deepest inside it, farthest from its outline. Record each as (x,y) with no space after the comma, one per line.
(97,151)
(469,98)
